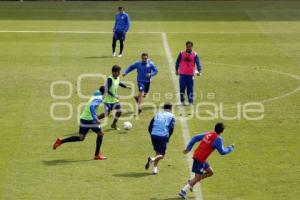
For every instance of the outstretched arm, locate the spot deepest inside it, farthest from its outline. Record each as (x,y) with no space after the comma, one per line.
(195,139)
(129,69)
(218,144)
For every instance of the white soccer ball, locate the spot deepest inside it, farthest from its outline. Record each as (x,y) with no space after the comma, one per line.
(127,125)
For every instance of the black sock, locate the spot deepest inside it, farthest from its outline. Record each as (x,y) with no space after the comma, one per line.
(98,144)
(71,139)
(114,44)
(121,46)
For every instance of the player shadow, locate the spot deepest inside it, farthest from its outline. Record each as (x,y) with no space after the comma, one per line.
(133,174)
(171,198)
(97,57)
(62,162)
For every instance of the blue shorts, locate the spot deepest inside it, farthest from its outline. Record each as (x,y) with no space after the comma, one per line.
(86,125)
(199,167)
(159,144)
(112,106)
(119,35)
(143,86)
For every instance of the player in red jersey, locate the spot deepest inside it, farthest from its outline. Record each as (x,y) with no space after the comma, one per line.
(209,142)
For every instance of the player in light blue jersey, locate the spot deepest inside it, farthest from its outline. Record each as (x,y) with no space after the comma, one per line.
(160,128)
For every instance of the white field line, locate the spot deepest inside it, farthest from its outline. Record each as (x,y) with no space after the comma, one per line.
(183,122)
(144,32)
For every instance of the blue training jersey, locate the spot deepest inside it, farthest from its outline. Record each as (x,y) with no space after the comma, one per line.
(163,124)
(143,69)
(122,22)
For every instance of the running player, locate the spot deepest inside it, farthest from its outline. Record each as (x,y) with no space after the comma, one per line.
(209,142)
(146,69)
(88,120)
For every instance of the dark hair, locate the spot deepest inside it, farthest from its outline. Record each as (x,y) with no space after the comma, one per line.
(121,8)
(219,127)
(167,106)
(144,54)
(102,89)
(116,68)
(189,42)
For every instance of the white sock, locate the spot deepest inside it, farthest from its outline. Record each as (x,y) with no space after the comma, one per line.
(152,159)
(186,188)
(155,170)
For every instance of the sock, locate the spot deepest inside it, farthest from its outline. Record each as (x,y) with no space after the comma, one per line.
(115,121)
(155,170)
(121,46)
(114,44)
(71,139)
(152,159)
(98,144)
(186,188)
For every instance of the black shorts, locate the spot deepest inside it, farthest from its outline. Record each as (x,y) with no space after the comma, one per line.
(86,125)
(143,86)
(199,167)
(112,106)
(159,144)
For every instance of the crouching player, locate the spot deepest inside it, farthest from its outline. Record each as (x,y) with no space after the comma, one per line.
(160,128)
(88,120)
(209,142)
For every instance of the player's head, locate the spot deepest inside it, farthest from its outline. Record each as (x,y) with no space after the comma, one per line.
(168,107)
(144,57)
(189,46)
(121,9)
(102,89)
(115,70)
(219,127)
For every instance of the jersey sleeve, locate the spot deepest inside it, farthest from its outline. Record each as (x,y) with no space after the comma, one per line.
(154,70)
(195,139)
(218,144)
(93,106)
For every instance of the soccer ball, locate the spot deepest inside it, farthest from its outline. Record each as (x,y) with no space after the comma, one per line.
(127,125)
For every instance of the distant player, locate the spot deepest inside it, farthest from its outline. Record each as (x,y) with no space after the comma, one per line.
(111,98)
(160,128)
(185,68)
(209,142)
(88,120)
(146,69)
(121,27)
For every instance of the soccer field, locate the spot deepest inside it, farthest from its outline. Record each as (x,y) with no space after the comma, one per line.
(250,53)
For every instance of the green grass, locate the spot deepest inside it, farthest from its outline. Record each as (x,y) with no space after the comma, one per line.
(260,36)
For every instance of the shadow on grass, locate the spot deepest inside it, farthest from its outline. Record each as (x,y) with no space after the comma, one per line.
(133,174)
(171,198)
(62,162)
(98,57)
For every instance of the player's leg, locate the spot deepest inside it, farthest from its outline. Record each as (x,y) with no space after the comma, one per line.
(114,43)
(117,107)
(122,39)
(190,89)
(182,86)
(197,168)
(83,130)
(99,140)
(159,145)
(147,88)
(138,98)
(107,108)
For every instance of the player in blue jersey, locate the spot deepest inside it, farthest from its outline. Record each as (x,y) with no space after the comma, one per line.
(121,27)
(160,128)
(146,69)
